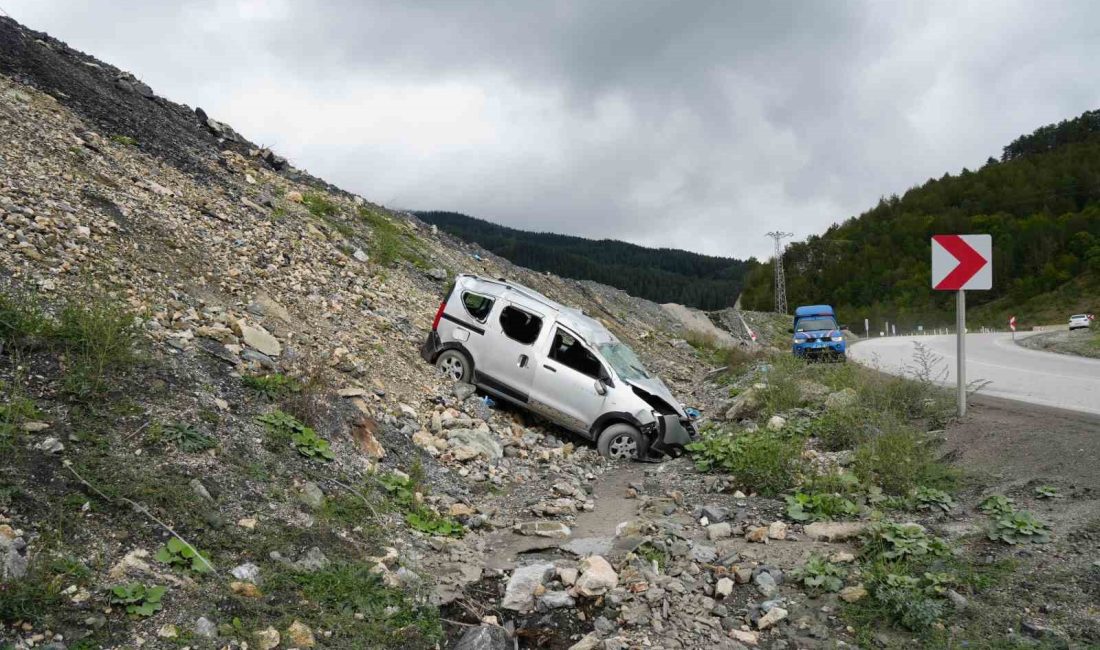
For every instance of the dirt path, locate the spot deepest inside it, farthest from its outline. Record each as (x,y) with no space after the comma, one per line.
(1011,439)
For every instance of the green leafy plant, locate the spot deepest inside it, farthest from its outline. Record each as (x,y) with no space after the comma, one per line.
(138,599)
(893,541)
(1019,527)
(818,574)
(817,507)
(285,429)
(897,460)
(651,553)
(186,437)
(763,461)
(176,553)
(927,498)
(417,515)
(271,386)
(1047,492)
(997,505)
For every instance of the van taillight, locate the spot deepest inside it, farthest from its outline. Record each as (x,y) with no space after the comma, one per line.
(438,315)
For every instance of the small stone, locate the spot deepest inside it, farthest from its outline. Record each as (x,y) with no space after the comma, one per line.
(704,554)
(715,514)
(719,531)
(267,639)
(312,495)
(483,637)
(553,529)
(300,635)
(461,510)
(246,589)
(852,594)
(248,523)
(724,587)
(744,636)
(765,584)
(597,577)
(35,427)
(247,572)
(758,534)
(519,594)
(557,599)
(259,339)
(205,628)
(776,423)
(50,446)
(590,641)
(739,495)
(842,557)
(833,531)
(351,392)
(568,575)
(200,490)
(777,530)
(742,576)
(774,615)
(168,631)
(959,601)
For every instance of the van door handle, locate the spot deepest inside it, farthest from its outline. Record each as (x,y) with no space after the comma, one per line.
(523,361)
(550,368)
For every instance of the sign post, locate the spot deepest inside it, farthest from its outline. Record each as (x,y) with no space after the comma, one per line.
(1012,325)
(961,262)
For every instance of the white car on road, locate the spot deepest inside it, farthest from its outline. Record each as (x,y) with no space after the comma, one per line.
(1079,320)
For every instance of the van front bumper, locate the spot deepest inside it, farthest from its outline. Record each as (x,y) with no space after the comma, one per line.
(672,434)
(821,349)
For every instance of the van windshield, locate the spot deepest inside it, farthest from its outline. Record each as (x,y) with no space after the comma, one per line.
(815,323)
(623,360)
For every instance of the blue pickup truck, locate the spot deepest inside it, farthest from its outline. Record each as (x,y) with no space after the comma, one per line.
(817,335)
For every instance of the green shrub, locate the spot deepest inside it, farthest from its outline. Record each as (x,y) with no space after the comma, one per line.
(1019,527)
(178,554)
(98,339)
(845,428)
(271,386)
(926,498)
(284,429)
(1047,492)
(897,460)
(893,541)
(31,598)
(997,505)
(138,599)
(23,323)
(907,603)
(762,462)
(818,575)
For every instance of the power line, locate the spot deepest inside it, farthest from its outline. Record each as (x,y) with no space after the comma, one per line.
(780,280)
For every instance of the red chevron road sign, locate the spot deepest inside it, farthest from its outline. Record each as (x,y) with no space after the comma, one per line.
(962,262)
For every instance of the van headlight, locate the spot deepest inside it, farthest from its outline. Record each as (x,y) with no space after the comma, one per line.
(838,338)
(798,340)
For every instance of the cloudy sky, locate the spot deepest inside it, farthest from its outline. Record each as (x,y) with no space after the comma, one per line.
(697,125)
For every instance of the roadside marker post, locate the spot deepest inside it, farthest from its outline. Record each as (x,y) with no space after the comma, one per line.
(1012,325)
(961,262)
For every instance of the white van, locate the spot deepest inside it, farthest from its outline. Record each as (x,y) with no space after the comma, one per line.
(520,346)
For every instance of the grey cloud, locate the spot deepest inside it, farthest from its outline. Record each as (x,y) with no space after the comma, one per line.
(699,124)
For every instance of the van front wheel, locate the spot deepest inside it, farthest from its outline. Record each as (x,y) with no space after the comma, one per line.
(622,442)
(454,365)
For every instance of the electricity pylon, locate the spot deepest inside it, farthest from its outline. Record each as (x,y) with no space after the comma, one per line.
(780,280)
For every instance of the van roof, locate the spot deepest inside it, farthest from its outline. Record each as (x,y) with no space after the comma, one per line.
(813,310)
(590,329)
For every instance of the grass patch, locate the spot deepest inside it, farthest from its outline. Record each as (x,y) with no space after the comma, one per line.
(319,205)
(271,386)
(124,140)
(31,598)
(404,493)
(350,600)
(23,322)
(98,339)
(762,462)
(900,461)
(389,242)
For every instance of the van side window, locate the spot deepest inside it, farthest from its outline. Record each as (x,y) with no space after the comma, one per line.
(477,306)
(569,352)
(520,325)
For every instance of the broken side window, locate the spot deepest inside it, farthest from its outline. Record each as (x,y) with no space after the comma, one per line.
(569,352)
(520,325)
(477,306)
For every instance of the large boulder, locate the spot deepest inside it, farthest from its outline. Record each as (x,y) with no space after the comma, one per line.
(747,404)
(485,637)
(483,442)
(841,399)
(13,554)
(811,392)
(597,577)
(519,595)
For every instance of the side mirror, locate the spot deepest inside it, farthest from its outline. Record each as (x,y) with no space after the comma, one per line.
(600,388)
(843,327)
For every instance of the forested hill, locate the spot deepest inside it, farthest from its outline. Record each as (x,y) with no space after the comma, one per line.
(1041,203)
(659,274)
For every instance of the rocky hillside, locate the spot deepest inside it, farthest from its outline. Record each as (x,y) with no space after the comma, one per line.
(268,313)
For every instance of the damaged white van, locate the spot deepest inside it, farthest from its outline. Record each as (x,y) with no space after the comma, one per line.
(520,346)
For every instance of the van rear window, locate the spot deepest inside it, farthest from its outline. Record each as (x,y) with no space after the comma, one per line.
(477,306)
(520,325)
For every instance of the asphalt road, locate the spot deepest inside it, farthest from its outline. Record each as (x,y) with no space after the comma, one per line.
(1013,372)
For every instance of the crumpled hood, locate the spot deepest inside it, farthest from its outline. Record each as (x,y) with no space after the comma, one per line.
(654,386)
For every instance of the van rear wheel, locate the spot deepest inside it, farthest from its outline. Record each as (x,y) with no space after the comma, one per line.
(454,365)
(622,442)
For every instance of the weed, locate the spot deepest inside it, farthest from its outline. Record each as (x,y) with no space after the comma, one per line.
(271,386)
(13,414)
(99,340)
(1047,492)
(927,498)
(1017,527)
(892,541)
(138,599)
(23,323)
(307,400)
(763,461)
(818,506)
(186,438)
(997,505)
(845,428)
(907,603)
(124,140)
(284,430)
(178,554)
(309,444)
(418,516)
(651,554)
(30,598)
(818,574)
(897,460)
